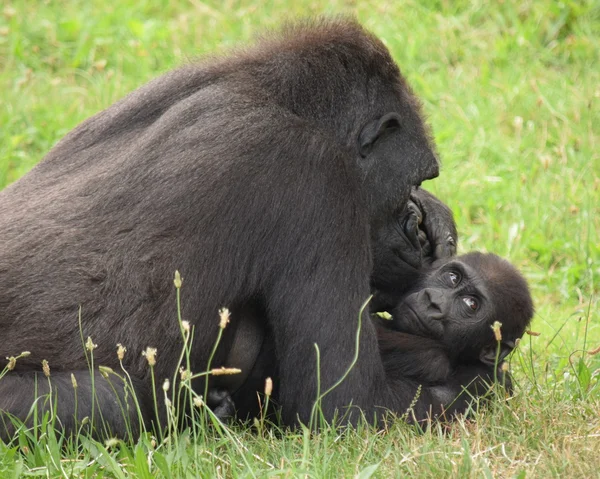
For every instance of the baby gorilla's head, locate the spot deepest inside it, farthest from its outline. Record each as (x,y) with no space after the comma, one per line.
(457,302)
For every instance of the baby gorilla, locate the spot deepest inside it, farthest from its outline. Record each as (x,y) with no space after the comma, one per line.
(446,320)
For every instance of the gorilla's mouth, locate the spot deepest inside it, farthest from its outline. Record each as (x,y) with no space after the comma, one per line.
(410,322)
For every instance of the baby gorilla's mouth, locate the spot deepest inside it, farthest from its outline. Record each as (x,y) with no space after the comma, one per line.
(407,320)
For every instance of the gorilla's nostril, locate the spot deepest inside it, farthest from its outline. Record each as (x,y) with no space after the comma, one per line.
(434,302)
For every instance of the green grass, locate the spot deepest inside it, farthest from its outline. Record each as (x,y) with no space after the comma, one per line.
(512,90)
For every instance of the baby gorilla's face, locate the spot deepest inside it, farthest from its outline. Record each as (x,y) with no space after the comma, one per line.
(458,301)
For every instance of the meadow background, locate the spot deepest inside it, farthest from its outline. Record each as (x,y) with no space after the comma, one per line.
(512,90)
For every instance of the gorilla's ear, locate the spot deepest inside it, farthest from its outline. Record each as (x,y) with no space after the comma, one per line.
(376,129)
(488,354)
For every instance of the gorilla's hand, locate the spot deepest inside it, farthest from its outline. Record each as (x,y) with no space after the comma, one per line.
(437,234)
(408,242)
(397,258)
(397,245)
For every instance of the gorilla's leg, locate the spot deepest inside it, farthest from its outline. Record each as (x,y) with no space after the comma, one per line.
(70,396)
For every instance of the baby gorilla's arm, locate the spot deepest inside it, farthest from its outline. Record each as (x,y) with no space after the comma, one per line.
(424,360)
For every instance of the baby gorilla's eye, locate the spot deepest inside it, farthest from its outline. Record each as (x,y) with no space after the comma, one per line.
(453,277)
(470,302)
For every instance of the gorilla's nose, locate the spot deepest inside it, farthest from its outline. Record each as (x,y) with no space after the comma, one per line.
(433,300)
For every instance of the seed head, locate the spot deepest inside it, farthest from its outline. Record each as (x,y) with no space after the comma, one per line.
(111,442)
(518,123)
(198,402)
(223,371)
(177,281)
(593,352)
(46,368)
(9,12)
(496,328)
(121,350)
(224,314)
(89,345)
(268,386)
(150,355)
(166,385)
(184,373)
(415,399)
(504,367)
(12,362)
(105,371)
(73,381)
(186,326)
(532,333)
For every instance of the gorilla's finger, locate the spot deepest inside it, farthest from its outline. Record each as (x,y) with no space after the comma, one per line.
(445,247)
(413,207)
(411,230)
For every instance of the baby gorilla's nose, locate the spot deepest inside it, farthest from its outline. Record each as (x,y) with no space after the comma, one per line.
(434,301)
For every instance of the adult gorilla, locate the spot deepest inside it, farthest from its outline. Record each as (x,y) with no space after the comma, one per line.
(265,177)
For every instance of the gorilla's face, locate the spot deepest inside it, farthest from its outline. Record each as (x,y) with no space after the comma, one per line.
(460,300)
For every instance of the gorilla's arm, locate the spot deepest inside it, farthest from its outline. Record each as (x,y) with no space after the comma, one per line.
(447,389)
(452,398)
(408,356)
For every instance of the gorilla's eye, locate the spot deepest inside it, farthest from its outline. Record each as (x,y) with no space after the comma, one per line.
(453,277)
(470,302)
